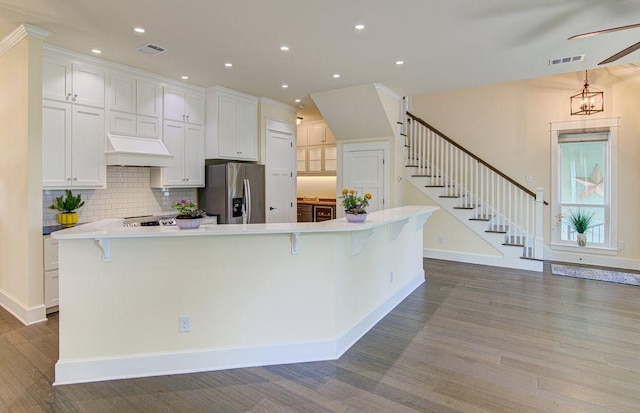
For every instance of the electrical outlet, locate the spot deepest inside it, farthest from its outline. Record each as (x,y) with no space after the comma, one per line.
(529,179)
(391,277)
(184,324)
(441,239)
(621,245)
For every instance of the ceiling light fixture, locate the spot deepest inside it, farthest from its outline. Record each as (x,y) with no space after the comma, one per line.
(297,100)
(587,101)
(183,77)
(96,51)
(399,62)
(139,30)
(298,120)
(284,86)
(228,64)
(284,48)
(336,75)
(359,26)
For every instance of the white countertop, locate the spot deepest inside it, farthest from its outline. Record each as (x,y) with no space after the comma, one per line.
(112,228)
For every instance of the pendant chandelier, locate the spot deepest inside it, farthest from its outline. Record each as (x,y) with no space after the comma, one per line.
(587,101)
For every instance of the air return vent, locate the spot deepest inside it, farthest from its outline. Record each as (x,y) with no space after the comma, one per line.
(151,49)
(568,59)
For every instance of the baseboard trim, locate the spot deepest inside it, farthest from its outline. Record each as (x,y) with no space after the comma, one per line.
(26,315)
(481,259)
(194,361)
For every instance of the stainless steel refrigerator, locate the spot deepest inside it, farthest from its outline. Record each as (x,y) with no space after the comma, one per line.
(234,192)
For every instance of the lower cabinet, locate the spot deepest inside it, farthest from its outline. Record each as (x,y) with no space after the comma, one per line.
(315,213)
(305,213)
(51,299)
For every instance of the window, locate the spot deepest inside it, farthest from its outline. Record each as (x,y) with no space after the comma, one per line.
(583,153)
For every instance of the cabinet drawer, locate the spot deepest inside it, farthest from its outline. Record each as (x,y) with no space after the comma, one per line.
(51,288)
(305,213)
(50,254)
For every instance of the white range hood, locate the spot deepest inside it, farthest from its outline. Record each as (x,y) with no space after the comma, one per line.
(134,151)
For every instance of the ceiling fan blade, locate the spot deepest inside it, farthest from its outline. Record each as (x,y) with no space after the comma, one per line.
(621,54)
(613,29)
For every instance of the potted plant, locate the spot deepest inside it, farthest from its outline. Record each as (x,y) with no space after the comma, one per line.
(189,215)
(355,207)
(580,221)
(66,205)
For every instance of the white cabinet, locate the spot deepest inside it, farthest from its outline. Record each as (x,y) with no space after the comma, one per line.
(50,274)
(186,143)
(74,82)
(231,124)
(317,152)
(183,105)
(73,146)
(135,106)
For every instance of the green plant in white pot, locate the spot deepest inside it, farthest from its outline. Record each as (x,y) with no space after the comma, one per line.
(580,221)
(66,205)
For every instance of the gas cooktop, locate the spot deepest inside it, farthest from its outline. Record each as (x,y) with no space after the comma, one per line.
(149,221)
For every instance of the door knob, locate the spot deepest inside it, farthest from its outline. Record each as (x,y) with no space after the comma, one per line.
(271,208)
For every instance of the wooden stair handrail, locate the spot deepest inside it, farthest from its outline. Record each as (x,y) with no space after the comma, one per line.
(445,137)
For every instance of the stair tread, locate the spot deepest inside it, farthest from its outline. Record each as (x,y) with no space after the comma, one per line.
(449,196)
(434,186)
(531,259)
(511,244)
(466,207)
(425,176)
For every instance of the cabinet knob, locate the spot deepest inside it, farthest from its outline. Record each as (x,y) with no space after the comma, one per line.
(187,117)
(75,97)
(75,179)
(68,96)
(271,208)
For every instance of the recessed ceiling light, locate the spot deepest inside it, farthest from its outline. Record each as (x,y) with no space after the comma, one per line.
(284,48)
(139,30)
(297,100)
(336,75)
(399,62)
(183,77)
(359,26)
(284,86)
(96,51)
(228,64)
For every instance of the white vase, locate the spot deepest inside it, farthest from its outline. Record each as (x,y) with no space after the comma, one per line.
(355,217)
(189,223)
(582,240)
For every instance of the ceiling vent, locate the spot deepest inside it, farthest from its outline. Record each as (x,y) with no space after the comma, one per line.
(151,49)
(568,59)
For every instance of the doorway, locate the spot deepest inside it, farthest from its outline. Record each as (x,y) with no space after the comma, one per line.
(279,178)
(364,169)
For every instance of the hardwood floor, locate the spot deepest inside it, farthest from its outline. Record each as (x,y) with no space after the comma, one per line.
(471,339)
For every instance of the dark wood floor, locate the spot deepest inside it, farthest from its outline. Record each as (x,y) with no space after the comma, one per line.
(471,339)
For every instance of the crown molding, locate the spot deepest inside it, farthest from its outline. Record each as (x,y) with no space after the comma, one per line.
(20,33)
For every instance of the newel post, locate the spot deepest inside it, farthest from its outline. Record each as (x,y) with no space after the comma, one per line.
(538,248)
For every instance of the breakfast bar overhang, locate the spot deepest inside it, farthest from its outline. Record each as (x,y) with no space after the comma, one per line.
(255,294)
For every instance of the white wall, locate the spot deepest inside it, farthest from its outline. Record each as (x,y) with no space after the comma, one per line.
(507,125)
(21,276)
(320,186)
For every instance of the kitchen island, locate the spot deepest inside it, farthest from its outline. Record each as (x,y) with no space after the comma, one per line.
(248,295)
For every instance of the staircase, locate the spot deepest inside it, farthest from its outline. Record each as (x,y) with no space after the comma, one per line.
(502,212)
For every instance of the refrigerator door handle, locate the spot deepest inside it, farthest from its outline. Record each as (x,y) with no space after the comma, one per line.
(248,201)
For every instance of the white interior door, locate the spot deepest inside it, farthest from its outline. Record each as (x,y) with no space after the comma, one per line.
(364,172)
(280,184)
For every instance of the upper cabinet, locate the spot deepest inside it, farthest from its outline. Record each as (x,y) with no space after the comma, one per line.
(135,106)
(183,105)
(73,124)
(73,82)
(231,125)
(316,149)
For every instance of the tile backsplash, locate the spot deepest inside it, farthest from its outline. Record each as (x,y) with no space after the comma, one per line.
(127,194)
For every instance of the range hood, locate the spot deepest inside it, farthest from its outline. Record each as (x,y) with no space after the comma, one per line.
(134,151)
